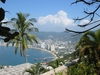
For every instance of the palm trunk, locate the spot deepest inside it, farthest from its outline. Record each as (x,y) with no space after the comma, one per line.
(25,55)
(26,60)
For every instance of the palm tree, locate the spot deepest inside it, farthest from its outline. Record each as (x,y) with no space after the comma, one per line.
(89,46)
(35,69)
(23,26)
(88,49)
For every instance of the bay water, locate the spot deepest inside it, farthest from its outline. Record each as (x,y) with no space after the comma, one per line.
(8,57)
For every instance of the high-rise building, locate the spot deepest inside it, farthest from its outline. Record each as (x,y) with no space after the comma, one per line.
(43,45)
(48,46)
(52,47)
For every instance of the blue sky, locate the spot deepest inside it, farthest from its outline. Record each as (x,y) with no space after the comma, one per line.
(51,15)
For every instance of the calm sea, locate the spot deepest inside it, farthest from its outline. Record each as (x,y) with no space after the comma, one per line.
(8,57)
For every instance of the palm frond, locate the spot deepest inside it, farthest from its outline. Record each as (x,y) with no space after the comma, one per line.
(25,43)
(21,19)
(32,70)
(30,29)
(34,39)
(98,35)
(84,48)
(91,34)
(36,30)
(14,19)
(21,48)
(16,46)
(28,36)
(32,20)
(26,15)
(9,42)
(31,38)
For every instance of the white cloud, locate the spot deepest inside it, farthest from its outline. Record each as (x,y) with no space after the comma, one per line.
(5,19)
(60,18)
(84,22)
(57,22)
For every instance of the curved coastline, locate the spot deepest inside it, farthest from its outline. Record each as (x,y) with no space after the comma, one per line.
(46,51)
(38,49)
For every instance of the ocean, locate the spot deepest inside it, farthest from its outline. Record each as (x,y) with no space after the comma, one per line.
(8,57)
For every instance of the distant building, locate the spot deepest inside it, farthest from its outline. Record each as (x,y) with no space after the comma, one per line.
(52,47)
(48,46)
(43,45)
(61,47)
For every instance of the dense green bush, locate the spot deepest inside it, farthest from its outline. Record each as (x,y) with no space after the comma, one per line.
(82,69)
(88,52)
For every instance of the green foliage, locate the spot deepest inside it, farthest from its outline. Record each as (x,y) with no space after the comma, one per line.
(82,69)
(53,64)
(88,50)
(24,26)
(35,69)
(61,73)
(56,63)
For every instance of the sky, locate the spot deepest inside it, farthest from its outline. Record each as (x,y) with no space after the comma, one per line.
(51,15)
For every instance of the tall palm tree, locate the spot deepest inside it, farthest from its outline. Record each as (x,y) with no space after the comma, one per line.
(89,46)
(23,25)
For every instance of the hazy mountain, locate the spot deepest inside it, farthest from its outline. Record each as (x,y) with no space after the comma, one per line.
(56,35)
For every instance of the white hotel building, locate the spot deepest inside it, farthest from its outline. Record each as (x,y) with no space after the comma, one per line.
(52,48)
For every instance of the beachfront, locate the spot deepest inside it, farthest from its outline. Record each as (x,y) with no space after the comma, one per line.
(30,46)
(47,51)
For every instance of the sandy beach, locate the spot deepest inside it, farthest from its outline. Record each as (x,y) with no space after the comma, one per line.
(46,51)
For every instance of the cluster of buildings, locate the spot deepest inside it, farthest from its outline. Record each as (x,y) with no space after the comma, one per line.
(56,46)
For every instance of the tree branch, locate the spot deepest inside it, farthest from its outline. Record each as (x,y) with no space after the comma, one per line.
(79,32)
(88,14)
(86,2)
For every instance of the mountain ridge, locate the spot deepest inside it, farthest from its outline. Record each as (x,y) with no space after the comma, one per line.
(63,36)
